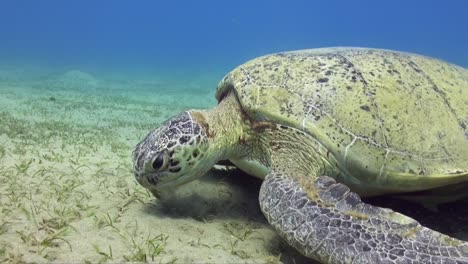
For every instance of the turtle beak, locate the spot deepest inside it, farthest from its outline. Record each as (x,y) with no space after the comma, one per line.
(156,193)
(138,177)
(148,182)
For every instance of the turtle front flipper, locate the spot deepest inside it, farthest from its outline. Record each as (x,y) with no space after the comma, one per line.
(327,222)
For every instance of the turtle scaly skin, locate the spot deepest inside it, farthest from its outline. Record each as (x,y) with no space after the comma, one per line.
(322,128)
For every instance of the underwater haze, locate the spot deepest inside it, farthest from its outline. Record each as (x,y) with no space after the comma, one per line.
(215,36)
(82,82)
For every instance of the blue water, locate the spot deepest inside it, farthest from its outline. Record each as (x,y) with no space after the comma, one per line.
(213,36)
(67,132)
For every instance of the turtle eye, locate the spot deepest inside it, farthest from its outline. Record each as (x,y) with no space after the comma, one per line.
(159,161)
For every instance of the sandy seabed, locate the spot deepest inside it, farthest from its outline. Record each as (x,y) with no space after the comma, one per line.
(68,194)
(67,189)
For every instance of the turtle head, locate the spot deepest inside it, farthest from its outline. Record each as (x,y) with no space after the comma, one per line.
(173,154)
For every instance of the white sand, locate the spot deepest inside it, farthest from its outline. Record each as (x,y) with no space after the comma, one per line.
(67,190)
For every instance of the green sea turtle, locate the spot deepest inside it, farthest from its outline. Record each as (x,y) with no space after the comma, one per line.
(323,127)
